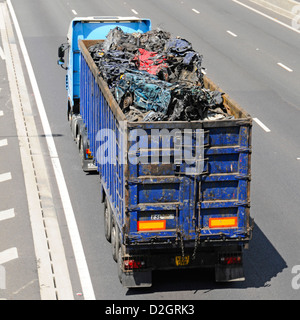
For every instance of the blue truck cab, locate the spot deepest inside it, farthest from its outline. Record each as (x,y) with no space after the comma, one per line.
(160,215)
(90,28)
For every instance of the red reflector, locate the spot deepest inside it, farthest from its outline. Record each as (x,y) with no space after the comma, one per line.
(231,260)
(132,264)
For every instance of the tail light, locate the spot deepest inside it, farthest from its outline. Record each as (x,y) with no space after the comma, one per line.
(133,264)
(230,260)
(88,153)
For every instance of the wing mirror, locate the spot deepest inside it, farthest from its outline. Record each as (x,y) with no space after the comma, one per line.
(61,54)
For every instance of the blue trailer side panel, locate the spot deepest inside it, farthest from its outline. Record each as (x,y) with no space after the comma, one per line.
(103,129)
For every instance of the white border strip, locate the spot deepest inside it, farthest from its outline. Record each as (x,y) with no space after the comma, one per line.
(2,55)
(82,266)
(5,177)
(285,67)
(8,255)
(262,125)
(7,214)
(3,143)
(231,33)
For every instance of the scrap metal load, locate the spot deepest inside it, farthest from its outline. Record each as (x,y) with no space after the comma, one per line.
(155,77)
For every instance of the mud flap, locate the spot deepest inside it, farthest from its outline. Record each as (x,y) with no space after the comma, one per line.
(229,273)
(140,279)
(87,164)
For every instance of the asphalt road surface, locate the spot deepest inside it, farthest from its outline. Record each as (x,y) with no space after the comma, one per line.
(253,55)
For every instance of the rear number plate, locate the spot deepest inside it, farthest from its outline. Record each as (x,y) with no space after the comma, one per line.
(182,261)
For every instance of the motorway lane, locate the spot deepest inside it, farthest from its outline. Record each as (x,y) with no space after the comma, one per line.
(250,76)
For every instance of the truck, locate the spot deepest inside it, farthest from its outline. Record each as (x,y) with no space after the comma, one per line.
(159,215)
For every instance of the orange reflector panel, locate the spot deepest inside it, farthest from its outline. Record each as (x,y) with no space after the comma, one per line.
(227,222)
(149,225)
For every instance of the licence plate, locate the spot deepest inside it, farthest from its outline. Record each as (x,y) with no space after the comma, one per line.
(179,261)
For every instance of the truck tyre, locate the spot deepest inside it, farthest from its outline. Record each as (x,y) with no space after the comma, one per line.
(114,239)
(69,115)
(107,220)
(81,151)
(120,265)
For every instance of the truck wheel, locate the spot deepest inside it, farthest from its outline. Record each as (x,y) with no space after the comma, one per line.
(81,151)
(114,240)
(69,113)
(120,265)
(107,221)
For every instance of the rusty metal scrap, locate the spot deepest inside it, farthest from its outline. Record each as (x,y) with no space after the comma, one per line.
(155,77)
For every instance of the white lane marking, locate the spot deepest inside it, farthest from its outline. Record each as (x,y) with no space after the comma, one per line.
(134,11)
(8,255)
(7,214)
(285,67)
(196,11)
(1,113)
(82,266)
(263,126)
(2,55)
(266,16)
(2,27)
(2,24)
(5,177)
(231,33)
(74,12)
(3,143)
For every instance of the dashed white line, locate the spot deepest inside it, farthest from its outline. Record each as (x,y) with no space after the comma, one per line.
(5,177)
(2,24)
(263,126)
(74,12)
(266,16)
(134,11)
(231,33)
(285,67)
(3,143)
(196,11)
(2,55)
(8,255)
(1,113)
(7,214)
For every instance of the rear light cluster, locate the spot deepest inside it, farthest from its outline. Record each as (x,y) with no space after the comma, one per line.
(230,260)
(88,153)
(132,264)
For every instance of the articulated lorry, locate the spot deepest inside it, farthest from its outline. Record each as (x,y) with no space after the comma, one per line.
(159,214)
